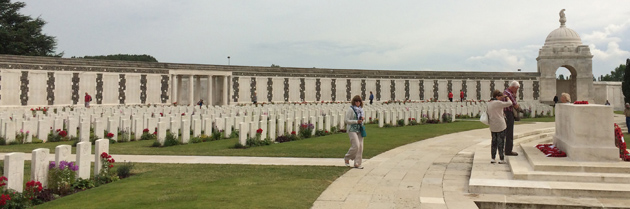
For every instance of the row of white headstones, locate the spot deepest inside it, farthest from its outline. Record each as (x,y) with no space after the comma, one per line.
(14,163)
(274,120)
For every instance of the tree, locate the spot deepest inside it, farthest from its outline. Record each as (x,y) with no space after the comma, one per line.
(21,34)
(625,85)
(274,65)
(616,75)
(124,57)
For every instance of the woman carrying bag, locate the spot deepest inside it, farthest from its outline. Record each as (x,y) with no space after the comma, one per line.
(356,131)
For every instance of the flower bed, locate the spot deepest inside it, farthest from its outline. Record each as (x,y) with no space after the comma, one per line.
(550,150)
(621,144)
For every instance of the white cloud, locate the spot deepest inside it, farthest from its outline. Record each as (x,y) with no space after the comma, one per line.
(606,47)
(505,59)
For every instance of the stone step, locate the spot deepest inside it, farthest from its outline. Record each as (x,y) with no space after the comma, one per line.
(522,170)
(524,201)
(540,162)
(487,178)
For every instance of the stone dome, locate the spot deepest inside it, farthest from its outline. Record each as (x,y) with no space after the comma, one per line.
(563,36)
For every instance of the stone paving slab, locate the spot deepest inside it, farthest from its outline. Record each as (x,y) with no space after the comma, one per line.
(432,173)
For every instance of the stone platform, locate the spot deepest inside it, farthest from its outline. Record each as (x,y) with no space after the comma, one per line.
(532,180)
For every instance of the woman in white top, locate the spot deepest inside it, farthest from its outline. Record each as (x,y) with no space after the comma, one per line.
(496,120)
(354,119)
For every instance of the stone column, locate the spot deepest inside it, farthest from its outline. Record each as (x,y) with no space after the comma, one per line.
(191,90)
(178,88)
(209,90)
(197,88)
(225,90)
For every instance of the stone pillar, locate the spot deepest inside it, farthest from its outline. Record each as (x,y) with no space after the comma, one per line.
(209,90)
(225,90)
(174,84)
(197,89)
(178,88)
(102,145)
(191,90)
(84,150)
(14,170)
(584,132)
(39,166)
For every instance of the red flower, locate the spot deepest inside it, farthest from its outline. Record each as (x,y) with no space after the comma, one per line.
(162,114)
(111,166)
(63,133)
(146,130)
(110,135)
(325,131)
(104,155)
(292,132)
(32,109)
(155,133)
(259,131)
(183,114)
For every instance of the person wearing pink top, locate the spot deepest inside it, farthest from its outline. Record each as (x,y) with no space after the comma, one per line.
(496,121)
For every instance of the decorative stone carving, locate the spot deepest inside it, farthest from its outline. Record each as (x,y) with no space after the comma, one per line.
(143,89)
(99,88)
(378,90)
(506,85)
(436,87)
(235,86)
(122,85)
(269,89)
(317,89)
(406,89)
(348,90)
(50,88)
(465,88)
(491,87)
(392,89)
(252,90)
(536,87)
(24,88)
(286,89)
(75,88)
(164,87)
(478,88)
(363,84)
(449,86)
(302,88)
(421,89)
(333,84)
(520,91)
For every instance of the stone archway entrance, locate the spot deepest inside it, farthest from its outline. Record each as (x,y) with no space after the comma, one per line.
(563,48)
(568,84)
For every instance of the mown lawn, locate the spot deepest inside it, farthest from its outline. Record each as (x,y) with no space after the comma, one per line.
(208,186)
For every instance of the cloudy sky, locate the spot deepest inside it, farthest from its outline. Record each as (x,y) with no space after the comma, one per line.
(476,35)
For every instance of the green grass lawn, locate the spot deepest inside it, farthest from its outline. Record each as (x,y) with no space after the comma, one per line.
(332,146)
(208,186)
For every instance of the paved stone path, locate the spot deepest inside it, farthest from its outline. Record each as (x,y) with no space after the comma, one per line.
(432,173)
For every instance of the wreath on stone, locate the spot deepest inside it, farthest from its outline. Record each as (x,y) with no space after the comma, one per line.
(621,144)
(550,150)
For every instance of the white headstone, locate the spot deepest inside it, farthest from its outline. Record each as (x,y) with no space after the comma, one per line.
(62,153)
(101,145)
(83,159)
(39,166)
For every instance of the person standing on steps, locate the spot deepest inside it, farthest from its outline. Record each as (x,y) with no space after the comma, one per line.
(496,121)
(450,96)
(200,103)
(88,99)
(510,93)
(461,95)
(354,119)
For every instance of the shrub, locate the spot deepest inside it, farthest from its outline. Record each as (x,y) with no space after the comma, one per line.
(61,177)
(401,122)
(105,175)
(195,140)
(293,137)
(321,133)
(282,139)
(83,184)
(170,140)
(447,118)
(423,120)
(238,145)
(147,136)
(156,144)
(387,125)
(216,135)
(306,130)
(333,129)
(124,170)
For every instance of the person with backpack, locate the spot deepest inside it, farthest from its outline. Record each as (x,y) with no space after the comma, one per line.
(88,99)
(200,103)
